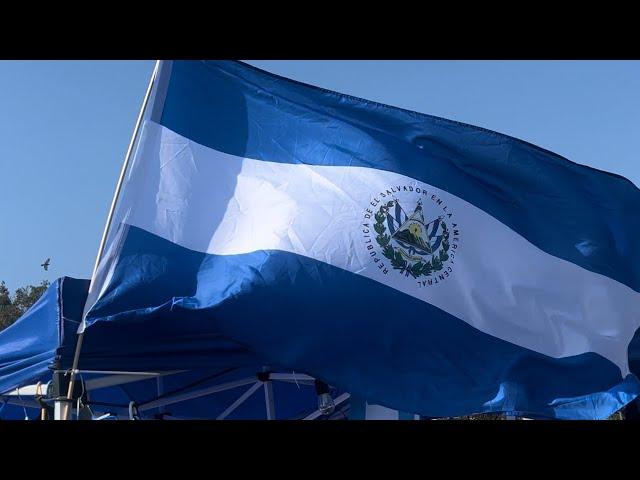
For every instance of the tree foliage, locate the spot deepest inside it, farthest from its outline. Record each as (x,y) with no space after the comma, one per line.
(14,306)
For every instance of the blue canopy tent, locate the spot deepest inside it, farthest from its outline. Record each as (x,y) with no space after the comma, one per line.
(134,371)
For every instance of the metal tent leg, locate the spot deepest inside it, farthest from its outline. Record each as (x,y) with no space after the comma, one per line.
(268,396)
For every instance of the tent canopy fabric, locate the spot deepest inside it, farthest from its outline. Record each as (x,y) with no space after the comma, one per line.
(44,339)
(30,346)
(46,335)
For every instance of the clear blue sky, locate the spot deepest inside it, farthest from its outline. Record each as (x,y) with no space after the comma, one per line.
(65,127)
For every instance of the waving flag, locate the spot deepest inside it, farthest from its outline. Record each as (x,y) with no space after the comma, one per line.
(419,263)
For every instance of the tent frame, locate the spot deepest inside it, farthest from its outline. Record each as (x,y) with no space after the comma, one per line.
(24,396)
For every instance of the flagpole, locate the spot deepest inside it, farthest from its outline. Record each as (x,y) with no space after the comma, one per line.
(66,410)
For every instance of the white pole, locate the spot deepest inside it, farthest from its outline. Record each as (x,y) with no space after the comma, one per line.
(66,410)
(58,410)
(123,172)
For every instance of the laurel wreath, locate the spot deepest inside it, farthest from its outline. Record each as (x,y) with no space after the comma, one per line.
(398,262)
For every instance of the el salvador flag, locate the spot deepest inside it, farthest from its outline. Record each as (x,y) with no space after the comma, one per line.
(419,263)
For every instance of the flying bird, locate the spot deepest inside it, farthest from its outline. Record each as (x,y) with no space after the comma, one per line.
(45,265)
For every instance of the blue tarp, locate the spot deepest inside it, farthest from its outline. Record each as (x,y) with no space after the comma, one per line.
(44,338)
(29,346)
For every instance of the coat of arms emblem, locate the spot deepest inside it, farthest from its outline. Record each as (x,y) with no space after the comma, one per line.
(414,245)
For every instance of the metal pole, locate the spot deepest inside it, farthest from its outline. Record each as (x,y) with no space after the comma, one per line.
(268,399)
(268,395)
(182,397)
(231,408)
(66,410)
(58,410)
(338,401)
(125,166)
(160,389)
